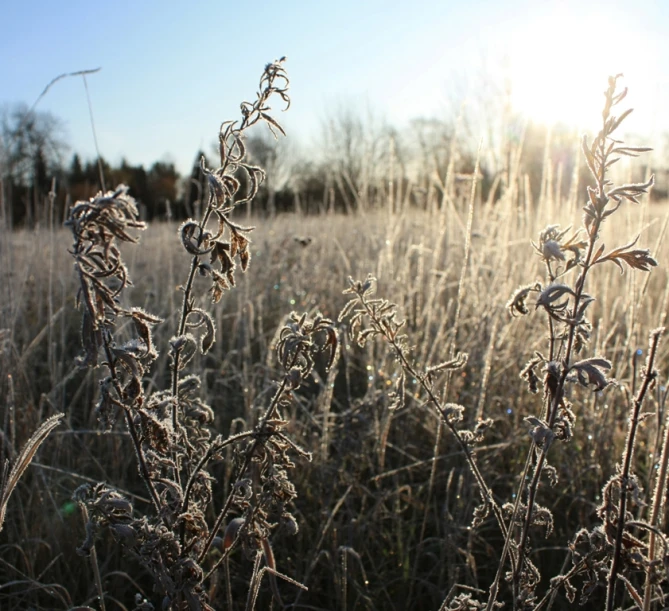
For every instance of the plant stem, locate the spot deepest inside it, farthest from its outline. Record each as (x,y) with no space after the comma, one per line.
(185,311)
(658,504)
(247,461)
(143,469)
(185,306)
(94,562)
(205,459)
(649,376)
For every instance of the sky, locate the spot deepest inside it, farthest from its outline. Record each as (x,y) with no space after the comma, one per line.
(172,72)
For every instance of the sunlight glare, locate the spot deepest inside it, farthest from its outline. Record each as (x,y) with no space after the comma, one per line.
(559,65)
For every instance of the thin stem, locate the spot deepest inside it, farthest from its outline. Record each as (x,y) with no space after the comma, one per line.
(247,461)
(658,503)
(144,470)
(649,377)
(187,299)
(185,311)
(205,459)
(494,588)
(552,415)
(558,581)
(95,136)
(94,562)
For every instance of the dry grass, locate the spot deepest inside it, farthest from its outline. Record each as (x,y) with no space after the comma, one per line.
(385,506)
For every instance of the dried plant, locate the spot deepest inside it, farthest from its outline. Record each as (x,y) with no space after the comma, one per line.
(375,317)
(566,305)
(609,553)
(171,429)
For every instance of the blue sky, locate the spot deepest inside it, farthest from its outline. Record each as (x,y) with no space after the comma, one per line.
(171,72)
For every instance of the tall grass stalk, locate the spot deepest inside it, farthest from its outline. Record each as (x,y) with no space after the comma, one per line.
(627,487)
(656,509)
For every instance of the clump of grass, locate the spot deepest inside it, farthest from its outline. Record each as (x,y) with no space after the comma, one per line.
(170,429)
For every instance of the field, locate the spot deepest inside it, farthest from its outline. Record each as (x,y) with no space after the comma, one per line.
(381,515)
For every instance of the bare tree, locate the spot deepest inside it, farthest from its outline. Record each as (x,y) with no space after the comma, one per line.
(32,149)
(25,136)
(277,156)
(354,147)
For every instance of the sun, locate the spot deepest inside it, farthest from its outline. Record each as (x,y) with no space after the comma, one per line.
(559,63)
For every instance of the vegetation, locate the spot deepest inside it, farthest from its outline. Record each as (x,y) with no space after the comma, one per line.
(440,431)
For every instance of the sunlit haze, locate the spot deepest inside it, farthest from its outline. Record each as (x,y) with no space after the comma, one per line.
(171,73)
(560,58)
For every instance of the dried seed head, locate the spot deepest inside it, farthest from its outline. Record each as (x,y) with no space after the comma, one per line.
(551,250)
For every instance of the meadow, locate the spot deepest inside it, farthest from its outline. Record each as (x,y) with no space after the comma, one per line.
(341,469)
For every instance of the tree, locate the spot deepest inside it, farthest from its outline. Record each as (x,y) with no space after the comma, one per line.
(354,150)
(163,181)
(76,173)
(275,155)
(32,147)
(26,136)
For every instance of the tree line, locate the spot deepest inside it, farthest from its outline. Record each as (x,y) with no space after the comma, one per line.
(358,162)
